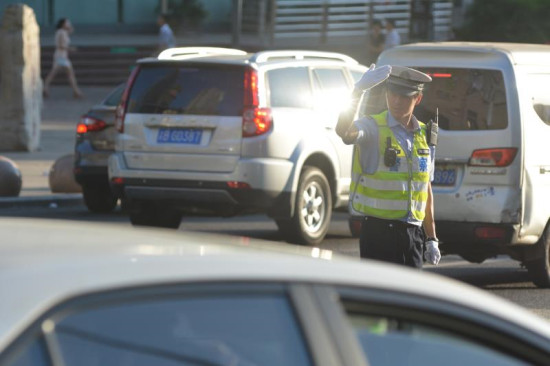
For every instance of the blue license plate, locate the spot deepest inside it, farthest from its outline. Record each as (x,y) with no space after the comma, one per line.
(444,177)
(179,136)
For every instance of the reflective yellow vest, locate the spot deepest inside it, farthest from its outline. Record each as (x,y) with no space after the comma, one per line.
(391,192)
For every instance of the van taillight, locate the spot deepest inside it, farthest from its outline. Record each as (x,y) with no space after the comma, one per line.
(121,108)
(90,124)
(256,120)
(493,157)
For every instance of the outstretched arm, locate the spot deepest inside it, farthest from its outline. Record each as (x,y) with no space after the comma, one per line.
(372,77)
(345,127)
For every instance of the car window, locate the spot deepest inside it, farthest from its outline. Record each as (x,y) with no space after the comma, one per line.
(201,328)
(197,90)
(356,75)
(290,87)
(390,339)
(33,353)
(467,99)
(114,98)
(332,89)
(540,95)
(331,79)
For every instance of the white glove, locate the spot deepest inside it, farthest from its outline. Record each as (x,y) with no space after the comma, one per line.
(432,254)
(373,76)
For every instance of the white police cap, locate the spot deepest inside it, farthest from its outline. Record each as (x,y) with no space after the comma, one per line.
(406,81)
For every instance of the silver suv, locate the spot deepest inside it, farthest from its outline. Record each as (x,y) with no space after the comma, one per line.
(220,131)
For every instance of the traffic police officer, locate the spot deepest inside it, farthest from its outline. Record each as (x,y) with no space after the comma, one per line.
(393,166)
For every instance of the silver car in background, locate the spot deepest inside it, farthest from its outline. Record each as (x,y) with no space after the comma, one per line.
(95,142)
(224,132)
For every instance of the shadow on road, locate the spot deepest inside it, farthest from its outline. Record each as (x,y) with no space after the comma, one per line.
(488,277)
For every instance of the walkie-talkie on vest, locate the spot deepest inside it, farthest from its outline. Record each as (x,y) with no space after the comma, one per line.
(433,129)
(390,154)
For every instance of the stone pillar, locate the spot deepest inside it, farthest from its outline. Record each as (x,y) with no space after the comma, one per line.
(20,82)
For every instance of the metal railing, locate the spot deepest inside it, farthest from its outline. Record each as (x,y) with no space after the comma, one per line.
(324,20)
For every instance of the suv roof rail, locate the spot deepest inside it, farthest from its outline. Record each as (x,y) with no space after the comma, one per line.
(190,52)
(264,56)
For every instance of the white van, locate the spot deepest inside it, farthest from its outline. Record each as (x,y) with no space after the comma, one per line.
(492,178)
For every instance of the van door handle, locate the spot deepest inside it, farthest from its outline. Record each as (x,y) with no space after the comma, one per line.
(544,170)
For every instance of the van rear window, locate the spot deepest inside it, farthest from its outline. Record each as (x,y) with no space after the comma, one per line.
(467,99)
(188,89)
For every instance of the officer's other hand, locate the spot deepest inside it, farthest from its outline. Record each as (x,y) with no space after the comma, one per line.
(432,254)
(373,76)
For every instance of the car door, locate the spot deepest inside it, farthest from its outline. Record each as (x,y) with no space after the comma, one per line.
(535,99)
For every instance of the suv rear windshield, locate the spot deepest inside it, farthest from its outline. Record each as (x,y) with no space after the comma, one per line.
(188,89)
(467,99)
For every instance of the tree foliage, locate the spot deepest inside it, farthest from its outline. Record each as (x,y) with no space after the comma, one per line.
(522,21)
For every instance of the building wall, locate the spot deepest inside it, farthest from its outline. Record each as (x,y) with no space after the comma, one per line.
(113,13)
(39,7)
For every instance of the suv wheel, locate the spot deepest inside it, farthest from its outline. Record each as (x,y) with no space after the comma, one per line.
(149,214)
(313,209)
(99,198)
(539,269)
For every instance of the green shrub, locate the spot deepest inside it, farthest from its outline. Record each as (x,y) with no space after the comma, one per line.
(522,21)
(185,14)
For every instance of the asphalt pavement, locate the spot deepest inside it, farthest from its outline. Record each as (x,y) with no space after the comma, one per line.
(60,115)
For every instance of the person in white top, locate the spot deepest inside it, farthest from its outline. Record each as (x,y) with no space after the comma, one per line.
(392,36)
(61,58)
(166,36)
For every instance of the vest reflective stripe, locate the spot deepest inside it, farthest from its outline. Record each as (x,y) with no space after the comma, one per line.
(387,185)
(382,205)
(391,192)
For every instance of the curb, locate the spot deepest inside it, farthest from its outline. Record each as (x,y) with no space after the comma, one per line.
(48,201)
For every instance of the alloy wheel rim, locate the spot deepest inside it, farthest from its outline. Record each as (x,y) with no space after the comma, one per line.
(313,207)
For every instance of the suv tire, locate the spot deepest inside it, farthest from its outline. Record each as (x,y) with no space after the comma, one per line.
(99,198)
(312,212)
(149,214)
(539,269)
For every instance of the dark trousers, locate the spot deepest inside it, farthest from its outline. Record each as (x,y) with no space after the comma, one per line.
(391,241)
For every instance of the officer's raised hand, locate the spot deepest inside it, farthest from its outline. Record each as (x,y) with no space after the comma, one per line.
(432,254)
(373,76)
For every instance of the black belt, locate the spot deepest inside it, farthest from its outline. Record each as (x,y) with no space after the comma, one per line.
(396,223)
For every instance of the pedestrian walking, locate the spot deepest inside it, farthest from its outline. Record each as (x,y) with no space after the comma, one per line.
(392,170)
(376,41)
(61,57)
(166,35)
(392,35)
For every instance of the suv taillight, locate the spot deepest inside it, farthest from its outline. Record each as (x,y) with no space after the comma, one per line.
(121,108)
(90,124)
(498,157)
(256,120)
